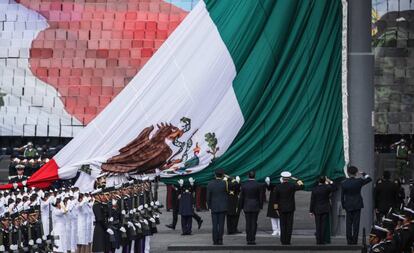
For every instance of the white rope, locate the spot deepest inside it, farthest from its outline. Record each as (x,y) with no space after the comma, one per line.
(344,82)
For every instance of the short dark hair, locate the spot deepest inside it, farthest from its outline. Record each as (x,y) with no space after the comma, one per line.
(352,170)
(386,175)
(252,174)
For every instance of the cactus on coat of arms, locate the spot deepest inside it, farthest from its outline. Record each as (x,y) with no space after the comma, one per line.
(212,143)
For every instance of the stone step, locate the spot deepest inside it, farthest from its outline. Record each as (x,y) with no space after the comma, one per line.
(339,248)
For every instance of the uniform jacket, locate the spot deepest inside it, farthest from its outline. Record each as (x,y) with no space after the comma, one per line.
(285,196)
(186,202)
(385,195)
(233,197)
(320,198)
(271,210)
(217,197)
(351,198)
(251,199)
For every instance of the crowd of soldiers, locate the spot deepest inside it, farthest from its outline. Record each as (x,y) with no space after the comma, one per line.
(394,229)
(110,219)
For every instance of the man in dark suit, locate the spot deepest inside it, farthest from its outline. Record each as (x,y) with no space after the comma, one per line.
(285,197)
(385,196)
(320,206)
(352,202)
(217,203)
(251,201)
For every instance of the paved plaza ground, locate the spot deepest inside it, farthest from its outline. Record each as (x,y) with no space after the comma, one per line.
(303,229)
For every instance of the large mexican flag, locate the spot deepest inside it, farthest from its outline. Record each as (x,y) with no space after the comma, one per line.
(239,85)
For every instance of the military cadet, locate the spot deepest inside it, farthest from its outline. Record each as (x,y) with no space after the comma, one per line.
(285,197)
(272,207)
(186,209)
(251,200)
(402,158)
(376,239)
(217,202)
(29,151)
(176,191)
(320,207)
(352,202)
(385,196)
(4,232)
(20,177)
(233,212)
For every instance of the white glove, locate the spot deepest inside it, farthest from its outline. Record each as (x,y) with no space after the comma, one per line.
(237,179)
(24,183)
(15,185)
(146,206)
(152,220)
(31,242)
(267,180)
(152,203)
(157,203)
(138,225)
(13,247)
(191,180)
(111,219)
(130,224)
(39,241)
(123,212)
(2,249)
(44,237)
(225,178)
(110,231)
(140,208)
(122,229)
(131,211)
(181,182)
(145,221)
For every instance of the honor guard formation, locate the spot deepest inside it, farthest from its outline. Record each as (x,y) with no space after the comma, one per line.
(122,217)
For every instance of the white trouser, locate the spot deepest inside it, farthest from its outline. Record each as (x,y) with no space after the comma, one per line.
(147,244)
(275,224)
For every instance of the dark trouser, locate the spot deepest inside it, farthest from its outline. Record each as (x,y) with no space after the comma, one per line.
(139,245)
(320,221)
(286,225)
(251,225)
(186,224)
(232,222)
(218,226)
(352,226)
(175,217)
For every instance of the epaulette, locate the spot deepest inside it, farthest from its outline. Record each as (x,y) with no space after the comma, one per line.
(11,177)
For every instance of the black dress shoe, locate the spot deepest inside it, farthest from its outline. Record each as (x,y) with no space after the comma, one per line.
(251,243)
(199,223)
(220,242)
(170,226)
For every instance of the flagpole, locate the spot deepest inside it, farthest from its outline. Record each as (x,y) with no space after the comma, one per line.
(361,99)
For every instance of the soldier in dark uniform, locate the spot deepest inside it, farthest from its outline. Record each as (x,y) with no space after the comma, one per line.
(217,202)
(4,232)
(376,238)
(101,232)
(385,196)
(285,197)
(251,201)
(12,166)
(20,177)
(186,210)
(233,212)
(406,232)
(176,191)
(352,202)
(320,206)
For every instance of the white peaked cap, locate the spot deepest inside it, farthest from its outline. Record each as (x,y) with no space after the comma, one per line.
(285,174)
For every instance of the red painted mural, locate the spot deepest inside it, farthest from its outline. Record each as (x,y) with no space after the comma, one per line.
(92,49)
